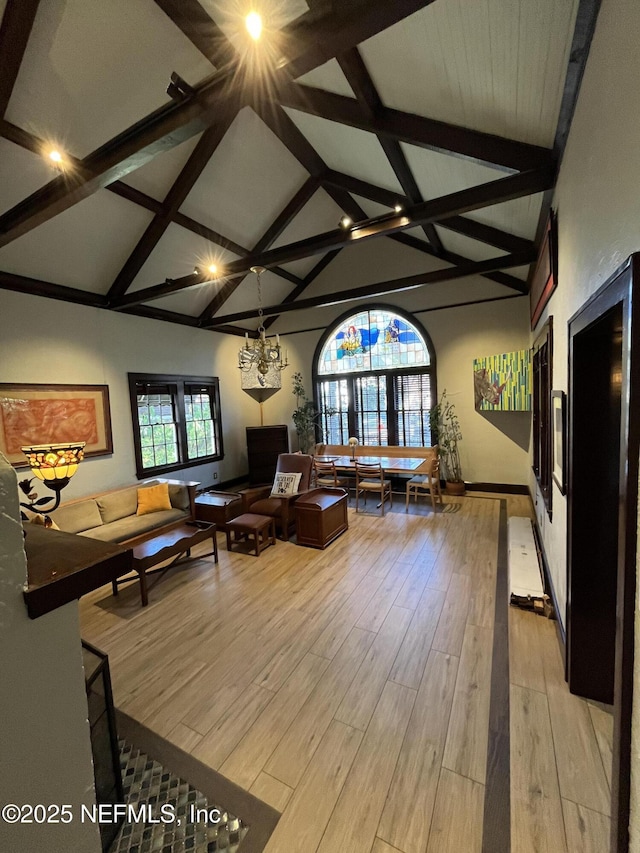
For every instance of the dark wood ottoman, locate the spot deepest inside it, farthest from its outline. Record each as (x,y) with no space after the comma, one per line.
(261,527)
(321,516)
(218,507)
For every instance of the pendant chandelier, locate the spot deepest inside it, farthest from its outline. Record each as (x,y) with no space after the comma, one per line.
(262,354)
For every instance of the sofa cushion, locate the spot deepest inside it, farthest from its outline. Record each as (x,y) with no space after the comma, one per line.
(179,497)
(119,504)
(134,525)
(77,517)
(153,499)
(268,506)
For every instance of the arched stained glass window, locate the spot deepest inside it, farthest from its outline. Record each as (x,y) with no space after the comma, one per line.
(375,371)
(373,339)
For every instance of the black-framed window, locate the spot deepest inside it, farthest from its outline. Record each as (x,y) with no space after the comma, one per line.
(375,370)
(542,374)
(176,421)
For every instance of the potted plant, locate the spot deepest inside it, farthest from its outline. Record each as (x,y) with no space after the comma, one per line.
(445,432)
(305,416)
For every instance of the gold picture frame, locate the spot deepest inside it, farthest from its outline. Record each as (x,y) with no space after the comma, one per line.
(33,414)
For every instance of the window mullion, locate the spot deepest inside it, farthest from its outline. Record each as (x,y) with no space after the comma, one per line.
(181,426)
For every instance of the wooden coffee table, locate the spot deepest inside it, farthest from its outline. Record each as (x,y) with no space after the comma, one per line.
(170,543)
(261,527)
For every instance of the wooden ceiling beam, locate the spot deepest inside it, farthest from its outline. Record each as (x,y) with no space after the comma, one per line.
(345,25)
(30,142)
(359,79)
(287,214)
(381,288)
(181,188)
(486,148)
(15,30)
(503,278)
(153,313)
(584,29)
(308,42)
(311,276)
(37,287)
(461,224)
(474,198)
(291,137)
(200,29)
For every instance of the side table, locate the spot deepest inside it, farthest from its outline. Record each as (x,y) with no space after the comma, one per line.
(218,507)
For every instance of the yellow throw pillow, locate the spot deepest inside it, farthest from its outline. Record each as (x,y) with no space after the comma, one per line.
(153,499)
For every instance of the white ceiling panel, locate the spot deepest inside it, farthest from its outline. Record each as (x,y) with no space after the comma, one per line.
(192,302)
(245,296)
(93,68)
(371,208)
(491,65)
(439,174)
(519,216)
(520,272)
(21,173)
(301,268)
(247,182)
(418,233)
(84,247)
(319,214)
(474,250)
(328,77)
(177,253)
(157,176)
(347,149)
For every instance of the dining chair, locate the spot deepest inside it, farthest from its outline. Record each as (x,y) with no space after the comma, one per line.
(370,478)
(427,483)
(326,474)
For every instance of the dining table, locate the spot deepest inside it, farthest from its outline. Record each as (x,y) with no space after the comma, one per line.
(389,464)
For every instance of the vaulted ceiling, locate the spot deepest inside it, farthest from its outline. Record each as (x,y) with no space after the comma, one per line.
(185,144)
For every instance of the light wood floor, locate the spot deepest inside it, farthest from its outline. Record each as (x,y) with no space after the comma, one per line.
(350,688)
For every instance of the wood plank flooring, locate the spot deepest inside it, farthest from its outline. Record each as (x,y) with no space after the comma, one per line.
(350,688)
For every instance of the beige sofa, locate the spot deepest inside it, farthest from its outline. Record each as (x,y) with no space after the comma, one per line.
(111,517)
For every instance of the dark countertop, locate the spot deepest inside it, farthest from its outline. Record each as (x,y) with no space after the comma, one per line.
(63,566)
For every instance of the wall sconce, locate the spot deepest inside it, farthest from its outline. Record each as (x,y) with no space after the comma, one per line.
(55,465)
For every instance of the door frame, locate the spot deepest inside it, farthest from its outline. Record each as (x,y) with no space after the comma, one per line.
(622,288)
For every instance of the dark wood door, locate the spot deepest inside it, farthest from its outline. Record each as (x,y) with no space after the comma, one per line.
(602,513)
(595,418)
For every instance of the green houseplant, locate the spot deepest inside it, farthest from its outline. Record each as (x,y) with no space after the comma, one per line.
(446,433)
(305,417)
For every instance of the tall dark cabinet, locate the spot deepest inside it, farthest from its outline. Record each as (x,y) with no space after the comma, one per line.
(264,444)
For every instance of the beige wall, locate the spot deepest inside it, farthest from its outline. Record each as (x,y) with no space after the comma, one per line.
(46,752)
(598,204)
(91,346)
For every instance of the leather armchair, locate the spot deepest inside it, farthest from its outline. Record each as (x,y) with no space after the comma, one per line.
(259,500)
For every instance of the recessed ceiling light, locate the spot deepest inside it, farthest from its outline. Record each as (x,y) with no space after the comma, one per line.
(398,208)
(346,222)
(212,268)
(253,23)
(55,156)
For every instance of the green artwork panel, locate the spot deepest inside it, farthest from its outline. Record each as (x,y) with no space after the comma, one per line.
(502,383)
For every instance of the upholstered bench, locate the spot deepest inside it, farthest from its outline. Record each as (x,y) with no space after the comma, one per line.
(262,528)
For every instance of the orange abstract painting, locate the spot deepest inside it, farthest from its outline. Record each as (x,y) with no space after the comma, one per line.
(46,414)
